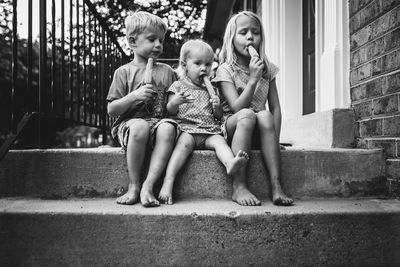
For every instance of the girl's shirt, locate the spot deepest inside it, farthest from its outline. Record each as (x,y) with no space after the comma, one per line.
(195,117)
(239,76)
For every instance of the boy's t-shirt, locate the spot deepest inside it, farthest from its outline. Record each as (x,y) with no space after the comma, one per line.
(128,78)
(239,76)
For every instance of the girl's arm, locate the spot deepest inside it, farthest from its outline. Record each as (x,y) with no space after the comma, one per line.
(172,107)
(216,106)
(174,100)
(134,98)
(275,107)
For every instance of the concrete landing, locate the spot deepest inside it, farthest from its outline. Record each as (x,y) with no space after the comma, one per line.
(98,232)
(101,172)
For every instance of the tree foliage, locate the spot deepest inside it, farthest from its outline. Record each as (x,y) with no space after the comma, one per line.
(185,19)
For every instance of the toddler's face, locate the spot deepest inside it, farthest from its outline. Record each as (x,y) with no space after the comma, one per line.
(247,33)
(149,43)
(198,64)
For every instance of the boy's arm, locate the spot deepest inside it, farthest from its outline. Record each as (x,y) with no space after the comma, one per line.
(119,106)
(275,107)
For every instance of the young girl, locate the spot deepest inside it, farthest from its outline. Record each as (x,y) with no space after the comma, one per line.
(247,83)
(198,113)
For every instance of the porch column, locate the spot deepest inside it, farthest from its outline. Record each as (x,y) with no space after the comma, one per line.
(332,55)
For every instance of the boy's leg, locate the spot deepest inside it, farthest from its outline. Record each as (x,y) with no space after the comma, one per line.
(164,143)
(182,150)
(240,128)
(224,153)
(139,132)
(272,158)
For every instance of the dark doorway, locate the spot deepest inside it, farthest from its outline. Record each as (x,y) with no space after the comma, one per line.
(308,56)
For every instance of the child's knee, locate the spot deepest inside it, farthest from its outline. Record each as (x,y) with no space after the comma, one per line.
(265,120)
(139,131)
(246,118)
(166,132)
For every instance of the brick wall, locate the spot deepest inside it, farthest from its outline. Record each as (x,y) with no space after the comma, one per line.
(375,73)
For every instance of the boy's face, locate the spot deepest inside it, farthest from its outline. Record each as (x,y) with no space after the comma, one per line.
(198,64)
(148,44)
(247,33)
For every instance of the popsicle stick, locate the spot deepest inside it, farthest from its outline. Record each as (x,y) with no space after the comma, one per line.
(252,51)
(148,72)
(209,86)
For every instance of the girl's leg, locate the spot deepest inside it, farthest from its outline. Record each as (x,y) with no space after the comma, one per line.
(182,150)
(164,143)
(139,133)
(224,153)
(272,156)
(240,130)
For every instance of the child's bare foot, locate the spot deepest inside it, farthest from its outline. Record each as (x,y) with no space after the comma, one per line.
(147,198)
(244,197)
(166,192)
(237,163)
(280,199)
(130,197)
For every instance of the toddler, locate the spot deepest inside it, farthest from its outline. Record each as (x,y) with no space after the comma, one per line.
(198,113)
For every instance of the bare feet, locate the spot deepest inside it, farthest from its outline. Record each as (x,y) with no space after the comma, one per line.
(166,192)
(237,163)
(280,199)
(130,197)
(244,197)
(147,197)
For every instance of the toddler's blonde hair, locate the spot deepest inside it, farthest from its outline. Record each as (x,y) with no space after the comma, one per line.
(186,48)
(227,53)
(140,21)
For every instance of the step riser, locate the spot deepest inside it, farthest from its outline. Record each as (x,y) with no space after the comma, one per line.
(103,173)
(132,240)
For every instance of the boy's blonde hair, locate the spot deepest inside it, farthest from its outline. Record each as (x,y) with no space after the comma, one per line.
(186,48)
(227,53)
(140,21)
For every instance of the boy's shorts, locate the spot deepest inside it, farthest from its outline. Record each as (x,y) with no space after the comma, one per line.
(123,130)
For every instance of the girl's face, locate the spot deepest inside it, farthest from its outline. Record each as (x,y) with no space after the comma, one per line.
(247,33)
(198,64)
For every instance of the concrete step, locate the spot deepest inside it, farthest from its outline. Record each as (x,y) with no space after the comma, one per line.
(204,232)
(102,172)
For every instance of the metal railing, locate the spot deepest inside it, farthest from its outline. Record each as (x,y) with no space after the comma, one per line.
(77,56)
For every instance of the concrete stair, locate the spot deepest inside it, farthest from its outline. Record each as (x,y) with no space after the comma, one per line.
(97,232)
(57,207)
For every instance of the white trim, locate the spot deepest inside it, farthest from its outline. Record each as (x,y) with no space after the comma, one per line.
(282,25)
(332,55)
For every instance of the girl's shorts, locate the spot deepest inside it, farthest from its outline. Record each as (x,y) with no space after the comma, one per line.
(124,129)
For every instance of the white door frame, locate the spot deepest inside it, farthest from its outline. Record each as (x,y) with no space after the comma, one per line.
(282,20)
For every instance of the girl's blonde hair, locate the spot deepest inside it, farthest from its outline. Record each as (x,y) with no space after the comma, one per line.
(227,53)
(186,48)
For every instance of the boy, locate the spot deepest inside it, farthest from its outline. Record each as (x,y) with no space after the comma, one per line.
(139,107)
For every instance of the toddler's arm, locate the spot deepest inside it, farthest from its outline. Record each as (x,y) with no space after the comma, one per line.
(134,98)
(174,100)
(216,105)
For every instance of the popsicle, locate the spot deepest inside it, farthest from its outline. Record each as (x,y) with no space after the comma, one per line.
(252,51)
(148,72)
(209,86)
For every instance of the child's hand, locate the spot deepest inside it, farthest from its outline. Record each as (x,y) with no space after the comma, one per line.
(143,93)
(216,104)
(256,67)
(181,98)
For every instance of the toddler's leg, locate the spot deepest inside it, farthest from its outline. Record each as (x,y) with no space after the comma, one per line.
(164,143)
(224,153)
(182,150)
(271,153)
(240,128)
(139,133)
